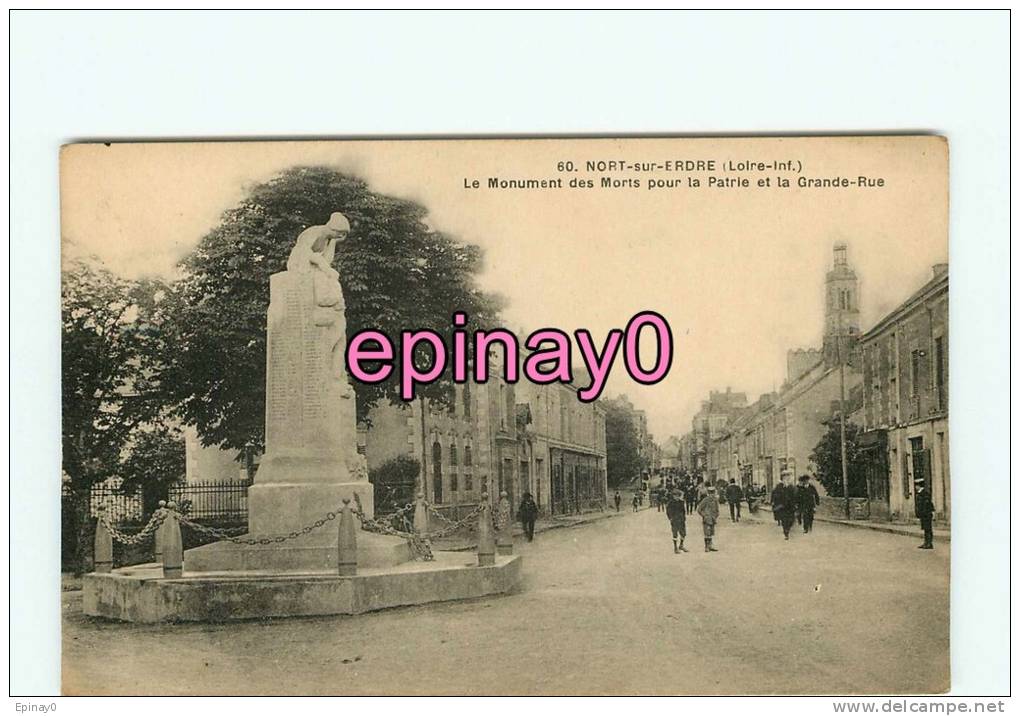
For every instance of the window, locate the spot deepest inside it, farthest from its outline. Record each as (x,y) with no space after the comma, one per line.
(467,400)
(453,453)
(940,374)
(453,482)
(467,456)
(916,356)
(468,482)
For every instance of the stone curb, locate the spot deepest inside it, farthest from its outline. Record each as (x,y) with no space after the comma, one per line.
(887,527)
(466,547)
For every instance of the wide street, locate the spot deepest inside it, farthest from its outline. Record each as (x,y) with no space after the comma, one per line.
(604,608)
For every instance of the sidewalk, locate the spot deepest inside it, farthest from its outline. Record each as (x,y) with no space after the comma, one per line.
(464,543)
(941,534)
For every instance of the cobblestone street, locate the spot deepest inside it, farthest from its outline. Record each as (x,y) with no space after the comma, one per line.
(604,607)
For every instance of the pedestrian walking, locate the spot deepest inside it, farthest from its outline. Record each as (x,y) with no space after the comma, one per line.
(691,497)
(616,500)
(528,513)
(733,496)
(634,501)
(783,499)
(676,513)
(925,511)
(807,501)
(708,508)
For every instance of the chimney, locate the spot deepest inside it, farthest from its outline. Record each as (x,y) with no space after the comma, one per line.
(939,270)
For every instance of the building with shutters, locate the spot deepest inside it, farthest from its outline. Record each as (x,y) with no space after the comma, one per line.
(905,359)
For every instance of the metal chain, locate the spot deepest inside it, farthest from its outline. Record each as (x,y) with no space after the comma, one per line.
(158,517)
(420,544)
(273,539)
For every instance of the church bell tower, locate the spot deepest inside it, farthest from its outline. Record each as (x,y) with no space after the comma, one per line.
(842,309)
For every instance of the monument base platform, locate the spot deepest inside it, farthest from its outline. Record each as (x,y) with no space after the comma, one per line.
(140,594)
(315,552)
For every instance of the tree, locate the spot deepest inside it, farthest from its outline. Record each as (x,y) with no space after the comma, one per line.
(154,460)
(623,455)
(397,274)
(105,389)
(828,462)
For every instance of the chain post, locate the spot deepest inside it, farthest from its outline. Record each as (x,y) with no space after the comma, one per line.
(347,542)
(173,549)
(421,515)
(486,540)
(102,545)
(504,535)
(157,556)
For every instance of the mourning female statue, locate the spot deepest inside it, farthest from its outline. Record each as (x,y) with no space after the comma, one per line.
(313,255)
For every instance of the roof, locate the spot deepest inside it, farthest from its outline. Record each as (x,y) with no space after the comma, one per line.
(936,285)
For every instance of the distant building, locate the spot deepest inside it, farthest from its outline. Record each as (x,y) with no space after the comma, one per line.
(906,401)
(756,444)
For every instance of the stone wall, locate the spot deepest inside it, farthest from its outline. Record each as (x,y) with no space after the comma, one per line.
(834,507)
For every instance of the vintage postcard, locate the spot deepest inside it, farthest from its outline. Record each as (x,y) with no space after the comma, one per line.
(524,416)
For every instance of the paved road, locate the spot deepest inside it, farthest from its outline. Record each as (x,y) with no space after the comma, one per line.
(604,608)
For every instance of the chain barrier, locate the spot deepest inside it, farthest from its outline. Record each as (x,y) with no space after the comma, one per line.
(226,535)
(420,544)
(157,519)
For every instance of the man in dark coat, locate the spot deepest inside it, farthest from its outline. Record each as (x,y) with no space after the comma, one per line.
(616,500)
(925,510)
(783,498)
(691,496)
(807,500)
(528,513)
(676,513)
(733,496)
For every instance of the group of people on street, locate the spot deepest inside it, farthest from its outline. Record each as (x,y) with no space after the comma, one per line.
(791,503)
(677,502)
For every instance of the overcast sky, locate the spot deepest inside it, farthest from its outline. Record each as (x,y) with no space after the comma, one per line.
(738,273)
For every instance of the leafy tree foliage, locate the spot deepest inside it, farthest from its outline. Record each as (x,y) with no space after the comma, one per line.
(623,456)
(828,462)
(154,461)
(397,274)
(107,389)
(394,482)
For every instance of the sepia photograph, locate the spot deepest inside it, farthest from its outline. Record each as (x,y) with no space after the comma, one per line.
(474,411)
(516,361)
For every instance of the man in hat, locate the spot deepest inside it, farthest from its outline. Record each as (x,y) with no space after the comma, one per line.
(676,513)
(783,498)
(708,508)
(925,510)
(733,496)
(807,500)
(616,500)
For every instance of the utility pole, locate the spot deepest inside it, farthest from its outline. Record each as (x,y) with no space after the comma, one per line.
(422,480)
(842,417)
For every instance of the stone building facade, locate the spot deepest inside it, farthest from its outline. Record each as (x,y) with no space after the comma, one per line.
(466,448)
(561,449)
(905,359)
(497,436)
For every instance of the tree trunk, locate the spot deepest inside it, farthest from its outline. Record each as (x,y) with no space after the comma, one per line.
(84,527)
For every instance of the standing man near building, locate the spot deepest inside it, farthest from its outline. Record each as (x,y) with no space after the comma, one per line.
(708,508)
(807,500)
(676,513)
(528,513)
(925,510)
(616,500)
(733,496)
